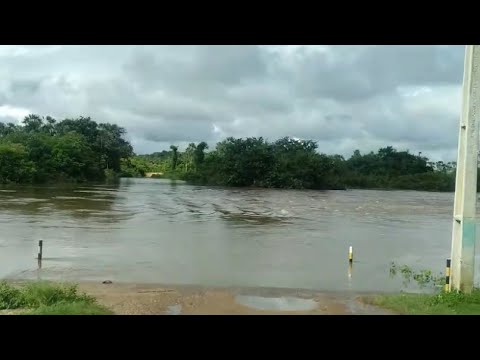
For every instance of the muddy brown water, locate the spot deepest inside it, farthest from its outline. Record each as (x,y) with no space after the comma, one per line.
(168,232)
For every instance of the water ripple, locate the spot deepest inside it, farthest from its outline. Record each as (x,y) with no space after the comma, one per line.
(162,231)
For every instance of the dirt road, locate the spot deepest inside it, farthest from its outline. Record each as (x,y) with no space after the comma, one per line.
(134,299)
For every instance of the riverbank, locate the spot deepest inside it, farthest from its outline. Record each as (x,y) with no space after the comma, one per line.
(194,300)
(92,298)
(428,304)
(143,299)
(46,298)
(332,188)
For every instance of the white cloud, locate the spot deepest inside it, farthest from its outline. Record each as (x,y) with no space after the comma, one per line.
(345,97)
(16,113)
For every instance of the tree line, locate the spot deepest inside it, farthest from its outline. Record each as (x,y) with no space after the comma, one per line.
(293,164)
(41,150)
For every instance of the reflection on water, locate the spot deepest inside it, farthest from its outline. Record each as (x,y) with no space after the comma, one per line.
(156,230)
(40,201)
(174,310)
(277,304)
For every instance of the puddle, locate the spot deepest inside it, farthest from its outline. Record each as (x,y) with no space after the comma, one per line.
(280,304)
(174,310)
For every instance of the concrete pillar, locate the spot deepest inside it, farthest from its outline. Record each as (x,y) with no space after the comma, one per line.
(464,222)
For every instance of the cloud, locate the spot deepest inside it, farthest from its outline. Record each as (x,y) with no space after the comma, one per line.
(345,97)
(12,114)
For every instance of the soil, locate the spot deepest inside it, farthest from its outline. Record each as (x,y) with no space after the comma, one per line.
(150,299)
(136,299)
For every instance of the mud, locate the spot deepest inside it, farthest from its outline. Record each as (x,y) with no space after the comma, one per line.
(135,299)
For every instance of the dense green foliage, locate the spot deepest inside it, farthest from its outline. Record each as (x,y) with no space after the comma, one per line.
(71,308)
(452,303)
(436,302)
(43,150)
(43,298)
(294,164)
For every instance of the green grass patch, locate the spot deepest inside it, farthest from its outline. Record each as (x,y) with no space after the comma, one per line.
(452,303)
(10,297)
(47,294)
(434,302)
(71,308)
(49,298)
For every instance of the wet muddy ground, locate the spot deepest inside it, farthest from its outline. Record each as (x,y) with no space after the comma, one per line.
(134,299)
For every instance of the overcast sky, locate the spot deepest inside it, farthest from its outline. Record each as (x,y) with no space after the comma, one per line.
(345,97)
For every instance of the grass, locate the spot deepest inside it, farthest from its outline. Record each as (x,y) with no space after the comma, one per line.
(452,303)
(437,302)
(45,298)
(71,308)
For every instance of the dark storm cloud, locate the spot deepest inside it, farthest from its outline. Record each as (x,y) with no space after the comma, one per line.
(193,132)
(199,70)
(345,97)
(357,72)
(24,87)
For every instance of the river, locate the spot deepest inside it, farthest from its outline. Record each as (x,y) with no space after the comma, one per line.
(168,232)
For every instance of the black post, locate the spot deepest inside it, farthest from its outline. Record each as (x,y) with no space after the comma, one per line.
(447,276)
(40,245)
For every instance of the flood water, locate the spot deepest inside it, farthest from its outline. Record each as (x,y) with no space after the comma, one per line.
(167,232)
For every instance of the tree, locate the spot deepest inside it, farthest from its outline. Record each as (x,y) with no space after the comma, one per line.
(189,157)
(174,156)
(32,123)
(200,153)
(111,145)
(14,164)
(74,158)
(73,149)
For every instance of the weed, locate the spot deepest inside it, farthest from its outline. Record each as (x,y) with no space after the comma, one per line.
(48,298)
(10,297)
(440,302)
(423,278)
(37,294)
(71,308)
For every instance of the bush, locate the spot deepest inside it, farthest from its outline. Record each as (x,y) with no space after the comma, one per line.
(47,298)
(10,297)
(71,308)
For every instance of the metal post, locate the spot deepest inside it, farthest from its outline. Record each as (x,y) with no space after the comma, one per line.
(40,250)
(464,224)
(447,276)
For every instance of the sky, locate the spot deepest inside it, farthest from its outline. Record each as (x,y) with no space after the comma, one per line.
(344,97)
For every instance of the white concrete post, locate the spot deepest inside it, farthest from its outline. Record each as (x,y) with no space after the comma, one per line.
(464,222)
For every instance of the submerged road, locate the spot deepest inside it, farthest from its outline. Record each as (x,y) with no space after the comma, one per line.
(148,299)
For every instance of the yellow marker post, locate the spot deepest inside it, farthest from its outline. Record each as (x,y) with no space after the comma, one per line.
(350,255)
(447,276)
